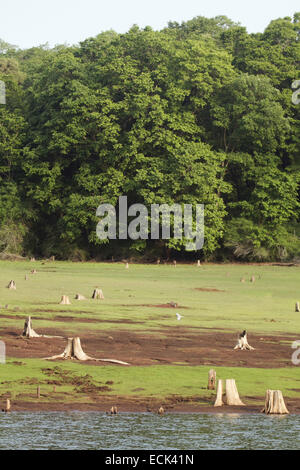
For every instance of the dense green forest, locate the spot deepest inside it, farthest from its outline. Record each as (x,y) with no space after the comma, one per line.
(199,112)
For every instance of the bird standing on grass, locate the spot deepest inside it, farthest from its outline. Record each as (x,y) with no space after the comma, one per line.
(179,317)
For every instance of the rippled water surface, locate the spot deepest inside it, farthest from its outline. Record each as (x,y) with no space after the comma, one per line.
(144,431)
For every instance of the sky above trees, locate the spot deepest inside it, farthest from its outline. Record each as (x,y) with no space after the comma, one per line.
(36,22)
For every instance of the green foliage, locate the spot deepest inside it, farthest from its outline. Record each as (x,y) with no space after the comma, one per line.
(199,112)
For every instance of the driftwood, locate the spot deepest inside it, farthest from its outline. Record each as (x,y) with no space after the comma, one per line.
(74,350)
(98,294)
(243,342)
(297,307)
(65,300)
(12,285)
(274,403)
(232,394)
(219,401)
(211,379)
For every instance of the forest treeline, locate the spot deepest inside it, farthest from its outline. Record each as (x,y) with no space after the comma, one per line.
(199,112)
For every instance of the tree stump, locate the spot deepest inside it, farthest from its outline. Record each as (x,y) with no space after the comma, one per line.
(198,263)
(297,307)
(97,294)
(7,406)
(219,400)
(161,411)
(232,394)
(211,379)
(79,297)
(274,403)
(243,342)
(26,277)
(28,331)
(174,263)
(74,350)
(65,300)
(158,261)
(12,285)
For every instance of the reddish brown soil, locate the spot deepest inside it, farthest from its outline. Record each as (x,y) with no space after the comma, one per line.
(177,345)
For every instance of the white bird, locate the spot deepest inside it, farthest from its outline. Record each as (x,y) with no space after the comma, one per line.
(179,317)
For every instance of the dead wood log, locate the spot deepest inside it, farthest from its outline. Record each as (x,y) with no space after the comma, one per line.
(243,342)
(12,285)
(65,300)
(211,379)
(74,350)
(297,307)
(98,294)
(79,297)
(232,394)
(219,400)
(274,403)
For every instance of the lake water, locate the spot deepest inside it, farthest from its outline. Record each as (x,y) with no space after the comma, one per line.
(145,431)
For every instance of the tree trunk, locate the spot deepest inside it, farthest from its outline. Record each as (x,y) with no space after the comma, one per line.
(28,331)
(97,294)
(211,379)
(12,285)
(274,403)
(74,350)
(198,263)
(232,394)
(65,300)
(219,400)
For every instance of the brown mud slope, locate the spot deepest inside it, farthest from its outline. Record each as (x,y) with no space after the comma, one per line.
(178,346)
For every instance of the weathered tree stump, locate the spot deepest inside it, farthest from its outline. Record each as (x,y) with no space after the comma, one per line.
(12,285)
(74,350)
(211,379)
(32,259)
(297,307)
(126,265)
(198,263)
(232,394)
(26,277)
(274,403)
(243,342)
(65,300)
(174,263)
(79,297)
(161,410)
(28,331)
(7,408)
(97,294)
(158,261)
(219,400)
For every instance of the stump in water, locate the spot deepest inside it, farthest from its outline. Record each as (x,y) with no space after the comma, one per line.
(12,285)
(297,307)
(219,401)
(7,408)
(79,297)
(232,394)
(243,342)
(274,403)
(211,379)
(97,294)
(28,331)
(65,300)
(74,350)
